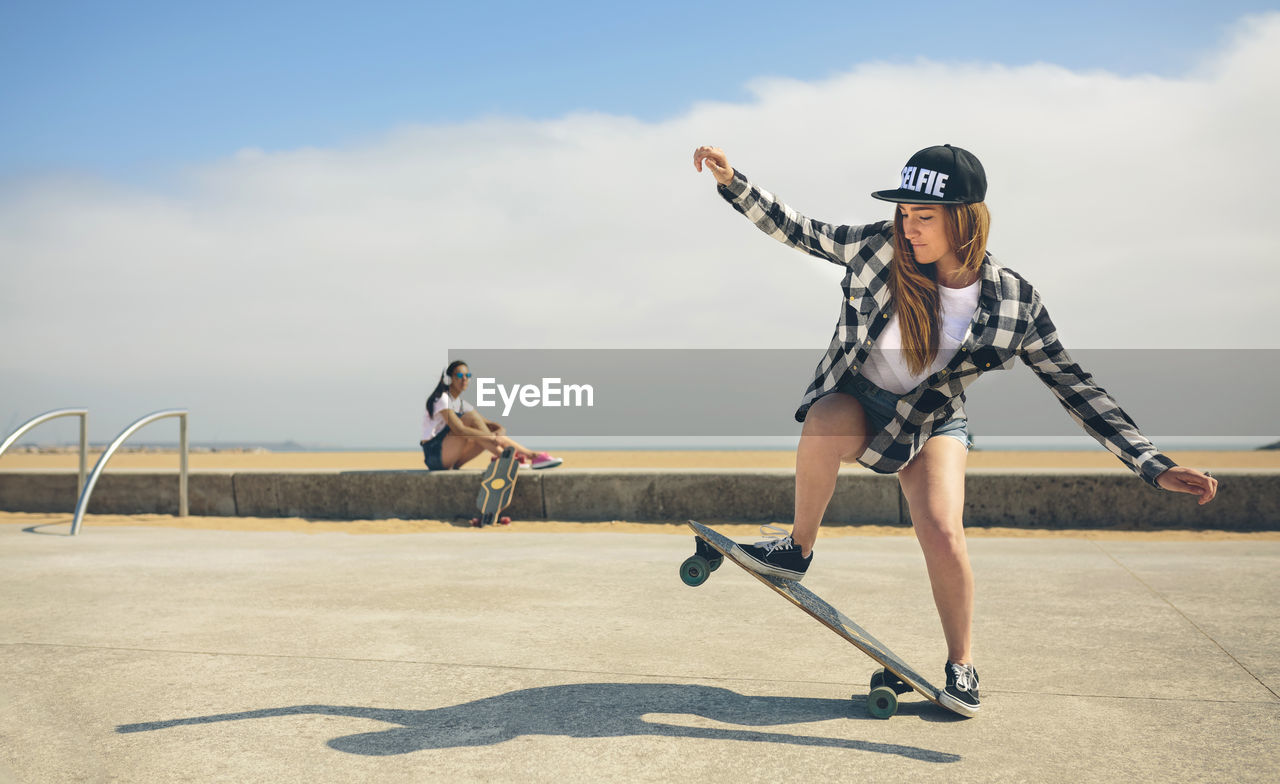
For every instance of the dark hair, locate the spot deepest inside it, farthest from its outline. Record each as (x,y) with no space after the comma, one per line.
(443,383)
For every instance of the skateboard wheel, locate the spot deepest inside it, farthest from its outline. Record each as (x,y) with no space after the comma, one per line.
(475,522)
(695,571)
(877,678)
(504,520)
(882,702)
(714,563)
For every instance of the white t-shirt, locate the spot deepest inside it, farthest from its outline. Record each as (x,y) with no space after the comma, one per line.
(886,367)
(433,420)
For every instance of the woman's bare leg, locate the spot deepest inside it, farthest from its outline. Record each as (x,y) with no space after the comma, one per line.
(457,450)
(933,484)
(835,431)
(472,419)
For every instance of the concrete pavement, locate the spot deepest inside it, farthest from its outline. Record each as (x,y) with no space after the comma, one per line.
(154,654)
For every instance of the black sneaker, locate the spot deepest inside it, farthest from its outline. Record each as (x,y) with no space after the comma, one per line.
(777,557)
(961,694)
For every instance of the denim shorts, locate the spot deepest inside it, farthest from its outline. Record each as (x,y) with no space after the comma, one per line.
(431,451)
(880,404)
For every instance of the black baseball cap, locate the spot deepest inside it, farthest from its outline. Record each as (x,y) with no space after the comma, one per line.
(939,175)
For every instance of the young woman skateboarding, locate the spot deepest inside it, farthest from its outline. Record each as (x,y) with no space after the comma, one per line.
(927,310)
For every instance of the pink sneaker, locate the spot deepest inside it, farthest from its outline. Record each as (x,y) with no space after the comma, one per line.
(544,460)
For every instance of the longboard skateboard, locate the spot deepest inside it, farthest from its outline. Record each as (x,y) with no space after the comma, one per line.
(496,487)
(894,678)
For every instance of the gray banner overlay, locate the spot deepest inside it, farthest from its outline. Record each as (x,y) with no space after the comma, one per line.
(750,392)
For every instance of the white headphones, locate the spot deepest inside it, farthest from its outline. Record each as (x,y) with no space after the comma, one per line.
(445,378)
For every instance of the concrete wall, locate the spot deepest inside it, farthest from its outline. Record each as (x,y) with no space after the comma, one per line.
(1247,500)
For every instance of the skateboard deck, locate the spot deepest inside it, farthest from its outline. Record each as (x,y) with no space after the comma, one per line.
(496,487)
(896,678)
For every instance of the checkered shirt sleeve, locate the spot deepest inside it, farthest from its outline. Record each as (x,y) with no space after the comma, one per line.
(1086,402)
(838,244)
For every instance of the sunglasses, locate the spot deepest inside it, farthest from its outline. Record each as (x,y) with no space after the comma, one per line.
(462,375)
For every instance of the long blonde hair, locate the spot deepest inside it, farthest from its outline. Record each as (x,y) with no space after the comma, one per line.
(915,287)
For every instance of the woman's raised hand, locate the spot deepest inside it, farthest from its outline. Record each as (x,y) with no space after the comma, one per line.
(716,161)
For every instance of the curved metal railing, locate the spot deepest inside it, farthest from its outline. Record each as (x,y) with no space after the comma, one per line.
(83,413)
(83,503)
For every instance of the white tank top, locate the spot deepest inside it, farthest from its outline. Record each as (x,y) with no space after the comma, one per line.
(433,420)
(886,366)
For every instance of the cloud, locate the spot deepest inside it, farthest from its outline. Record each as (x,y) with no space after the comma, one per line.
(312,294)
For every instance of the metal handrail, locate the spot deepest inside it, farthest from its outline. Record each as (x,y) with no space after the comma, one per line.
(83,413)
(111,450)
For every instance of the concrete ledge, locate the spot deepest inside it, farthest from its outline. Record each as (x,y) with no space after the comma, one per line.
(354,495)
(1247,500)
(208,494)
(744,496)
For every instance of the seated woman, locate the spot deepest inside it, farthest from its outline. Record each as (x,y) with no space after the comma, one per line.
(453,432)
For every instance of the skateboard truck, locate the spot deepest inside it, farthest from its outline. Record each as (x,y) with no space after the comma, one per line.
(699,566)
(882,701)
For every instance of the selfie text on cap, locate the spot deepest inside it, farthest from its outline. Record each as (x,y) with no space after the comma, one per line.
(926,181)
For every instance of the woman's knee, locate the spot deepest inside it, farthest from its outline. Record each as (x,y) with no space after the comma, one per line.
(941,532)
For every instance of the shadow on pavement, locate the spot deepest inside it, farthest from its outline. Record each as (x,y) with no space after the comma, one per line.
(35,529)
(591,710)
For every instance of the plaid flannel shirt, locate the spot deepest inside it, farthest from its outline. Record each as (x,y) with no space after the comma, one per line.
(1010,322)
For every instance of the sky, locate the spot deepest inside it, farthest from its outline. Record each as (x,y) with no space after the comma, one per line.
(282,216)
